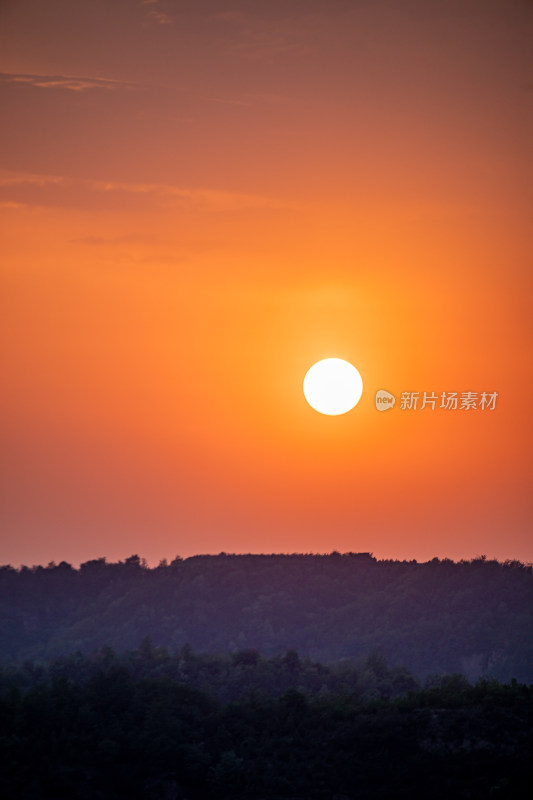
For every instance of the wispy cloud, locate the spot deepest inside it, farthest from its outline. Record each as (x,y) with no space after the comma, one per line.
(29,179)
(156,14)
(54,190)
(10,204)
(211,199)
(106,241)
(74,83)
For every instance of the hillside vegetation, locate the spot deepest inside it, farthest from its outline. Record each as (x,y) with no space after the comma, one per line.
(152,726)
(470,617)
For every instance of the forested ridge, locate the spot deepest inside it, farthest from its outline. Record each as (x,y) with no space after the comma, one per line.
(152,725)
(297,677)
(471,617)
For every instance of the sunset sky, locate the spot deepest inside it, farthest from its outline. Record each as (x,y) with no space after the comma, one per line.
(200,199)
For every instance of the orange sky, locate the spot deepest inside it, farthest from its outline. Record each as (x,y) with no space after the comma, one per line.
(201,199)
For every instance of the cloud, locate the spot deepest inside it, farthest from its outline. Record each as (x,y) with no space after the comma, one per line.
(21,179)
(9,204)
(73,83)
(106,241)
(60,191)
(210,198)
(155,13)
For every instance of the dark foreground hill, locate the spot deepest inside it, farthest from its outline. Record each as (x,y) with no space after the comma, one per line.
(153,726)
(471,617)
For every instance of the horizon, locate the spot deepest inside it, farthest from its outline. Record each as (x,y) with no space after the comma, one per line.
(168,562)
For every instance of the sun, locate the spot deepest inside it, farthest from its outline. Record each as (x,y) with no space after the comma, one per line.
(333,386)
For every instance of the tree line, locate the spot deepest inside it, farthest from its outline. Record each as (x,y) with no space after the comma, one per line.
(148,724)
(473,617)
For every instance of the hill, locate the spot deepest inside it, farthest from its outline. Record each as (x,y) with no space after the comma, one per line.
(152,726)
(473,617)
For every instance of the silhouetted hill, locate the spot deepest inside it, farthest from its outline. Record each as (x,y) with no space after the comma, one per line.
(149,725)
(473,617)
